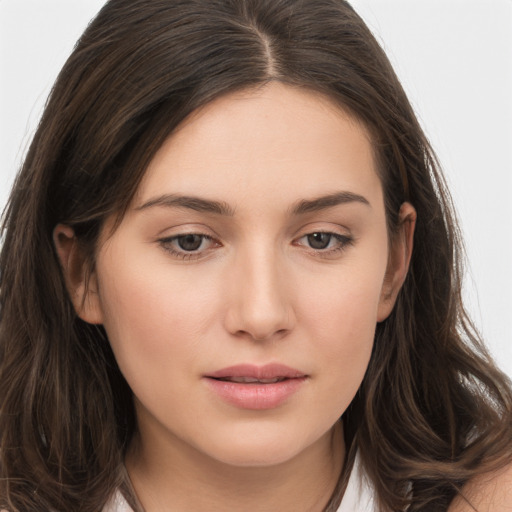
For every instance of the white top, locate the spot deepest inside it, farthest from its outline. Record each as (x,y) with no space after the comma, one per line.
(359,494)
(358,497)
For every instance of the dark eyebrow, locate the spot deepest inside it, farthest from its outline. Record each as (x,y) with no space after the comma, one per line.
(321,203)
(192,203)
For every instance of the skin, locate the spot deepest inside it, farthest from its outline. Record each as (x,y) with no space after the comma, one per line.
(255,291)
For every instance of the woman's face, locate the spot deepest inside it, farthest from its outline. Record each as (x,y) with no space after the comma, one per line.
(241,291)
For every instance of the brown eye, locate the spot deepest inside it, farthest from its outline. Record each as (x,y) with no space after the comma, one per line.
(319,240)
(325,243)
(188,245)
(190,242)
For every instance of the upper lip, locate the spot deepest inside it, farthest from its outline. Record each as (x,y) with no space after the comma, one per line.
(268,371)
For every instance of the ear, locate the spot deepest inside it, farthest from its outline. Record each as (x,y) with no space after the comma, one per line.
(82,285)
(398,260)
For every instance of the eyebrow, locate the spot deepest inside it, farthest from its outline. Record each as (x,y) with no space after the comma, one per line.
(192,203)
(328,201)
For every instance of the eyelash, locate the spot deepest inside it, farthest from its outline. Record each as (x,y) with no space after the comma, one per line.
(343,242)
(166,244)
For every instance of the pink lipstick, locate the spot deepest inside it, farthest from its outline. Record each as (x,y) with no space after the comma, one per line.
(256,387)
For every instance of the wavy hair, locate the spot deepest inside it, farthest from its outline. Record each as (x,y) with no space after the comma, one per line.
(433,410)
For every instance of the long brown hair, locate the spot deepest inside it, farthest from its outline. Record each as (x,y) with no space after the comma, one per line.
(432,412)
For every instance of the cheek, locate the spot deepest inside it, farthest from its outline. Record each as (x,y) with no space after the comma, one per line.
(347,302)
(152,314)
(341,320)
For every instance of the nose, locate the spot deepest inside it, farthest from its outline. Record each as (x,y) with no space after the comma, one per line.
(259,297)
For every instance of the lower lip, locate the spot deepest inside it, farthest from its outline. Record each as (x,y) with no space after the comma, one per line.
(256,396)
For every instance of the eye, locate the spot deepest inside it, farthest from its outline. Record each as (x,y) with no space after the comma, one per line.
(191,242)
(188,245)
(319,240)
(325,242)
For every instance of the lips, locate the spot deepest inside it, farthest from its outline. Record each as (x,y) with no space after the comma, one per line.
(252,380)
(257,373)
(256,387)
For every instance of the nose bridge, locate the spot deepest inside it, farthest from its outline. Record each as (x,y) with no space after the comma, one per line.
(260,305)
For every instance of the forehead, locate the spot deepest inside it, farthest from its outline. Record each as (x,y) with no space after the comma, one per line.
(275,140)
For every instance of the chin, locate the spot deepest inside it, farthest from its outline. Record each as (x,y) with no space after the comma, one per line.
(258,448)
(256,457)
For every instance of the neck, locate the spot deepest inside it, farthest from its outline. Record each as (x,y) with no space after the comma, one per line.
(176,477)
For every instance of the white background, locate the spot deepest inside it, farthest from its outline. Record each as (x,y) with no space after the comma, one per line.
(455,60)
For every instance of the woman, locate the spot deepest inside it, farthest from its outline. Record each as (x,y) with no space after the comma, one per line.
(231,279)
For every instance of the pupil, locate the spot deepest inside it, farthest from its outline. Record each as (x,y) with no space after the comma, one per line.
(319,240)
(190,242)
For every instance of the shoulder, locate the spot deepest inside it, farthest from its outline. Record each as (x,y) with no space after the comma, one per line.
(491,492)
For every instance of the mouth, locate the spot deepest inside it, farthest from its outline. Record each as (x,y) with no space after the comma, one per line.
(251,380)
(250,374)
(256,387)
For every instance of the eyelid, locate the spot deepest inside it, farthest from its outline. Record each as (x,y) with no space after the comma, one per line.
(342,238)
(345,240)
(186,228)
(167,241)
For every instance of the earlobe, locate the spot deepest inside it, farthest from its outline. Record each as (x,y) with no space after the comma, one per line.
(82,286)
(398,262)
